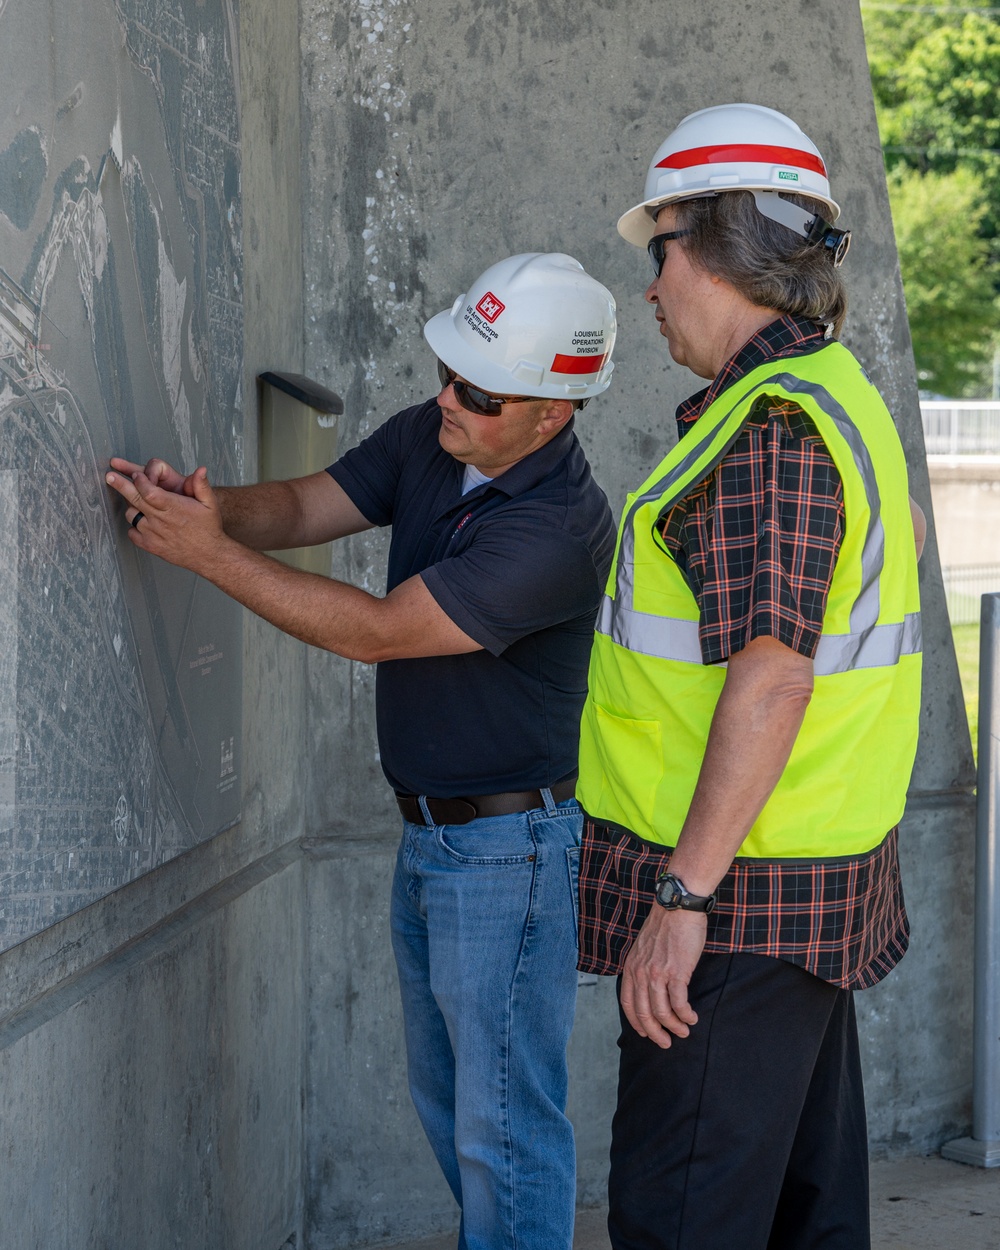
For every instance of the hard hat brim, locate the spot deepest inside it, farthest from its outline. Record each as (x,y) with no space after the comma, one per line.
(638,225)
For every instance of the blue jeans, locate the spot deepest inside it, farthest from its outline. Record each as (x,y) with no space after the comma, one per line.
(484,933)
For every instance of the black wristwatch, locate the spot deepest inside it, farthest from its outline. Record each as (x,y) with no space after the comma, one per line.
(673,895)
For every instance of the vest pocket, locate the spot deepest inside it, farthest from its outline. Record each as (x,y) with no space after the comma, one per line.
(628,758)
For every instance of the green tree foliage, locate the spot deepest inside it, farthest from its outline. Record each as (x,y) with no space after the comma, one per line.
(935,72)
(946,275)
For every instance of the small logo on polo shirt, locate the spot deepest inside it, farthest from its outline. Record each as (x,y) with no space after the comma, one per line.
(490,307)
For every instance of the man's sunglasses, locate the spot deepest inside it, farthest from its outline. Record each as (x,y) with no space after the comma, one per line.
(657,247)
(472,399)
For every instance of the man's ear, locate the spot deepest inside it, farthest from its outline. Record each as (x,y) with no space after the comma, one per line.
(556,414)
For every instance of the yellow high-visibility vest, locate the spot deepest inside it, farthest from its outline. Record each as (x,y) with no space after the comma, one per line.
(651,699)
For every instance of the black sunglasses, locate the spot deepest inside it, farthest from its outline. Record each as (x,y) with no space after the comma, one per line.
(472,399)
(657,247)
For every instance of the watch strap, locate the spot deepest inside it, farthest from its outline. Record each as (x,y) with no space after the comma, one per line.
(673,895)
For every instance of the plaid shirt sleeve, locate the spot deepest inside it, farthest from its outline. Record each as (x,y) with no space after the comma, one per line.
(758,539)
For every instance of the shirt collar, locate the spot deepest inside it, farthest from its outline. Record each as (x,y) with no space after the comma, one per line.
(529,472)
(787,336)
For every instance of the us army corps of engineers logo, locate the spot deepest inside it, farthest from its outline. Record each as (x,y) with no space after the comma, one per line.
(490,307)
(480,319)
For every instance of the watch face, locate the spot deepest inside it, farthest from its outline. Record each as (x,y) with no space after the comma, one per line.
(667,893)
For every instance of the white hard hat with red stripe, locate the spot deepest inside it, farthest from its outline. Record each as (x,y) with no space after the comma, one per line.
(536,324)
(731,147)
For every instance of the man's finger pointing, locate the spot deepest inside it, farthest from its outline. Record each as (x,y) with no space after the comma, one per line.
(125,488)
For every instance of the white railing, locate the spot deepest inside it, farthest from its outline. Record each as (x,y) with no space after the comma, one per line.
(964,587)
(961,427)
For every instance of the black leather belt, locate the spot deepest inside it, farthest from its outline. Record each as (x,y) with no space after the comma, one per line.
(461,811)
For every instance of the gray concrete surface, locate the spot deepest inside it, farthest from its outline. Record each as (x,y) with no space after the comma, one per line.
(151,1045)
(966,494)
(916,1204)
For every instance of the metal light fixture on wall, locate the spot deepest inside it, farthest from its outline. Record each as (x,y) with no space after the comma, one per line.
(298,436)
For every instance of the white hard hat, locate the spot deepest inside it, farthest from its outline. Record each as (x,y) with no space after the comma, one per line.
(731,147)
(536,324)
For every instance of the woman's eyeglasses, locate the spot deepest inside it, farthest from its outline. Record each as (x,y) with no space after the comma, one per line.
(472,399)
(657,247)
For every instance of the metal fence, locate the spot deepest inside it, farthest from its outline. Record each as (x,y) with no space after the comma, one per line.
(957,427)
(982,1149)
(964,586)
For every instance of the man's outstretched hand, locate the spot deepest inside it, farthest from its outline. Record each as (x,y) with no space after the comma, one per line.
(171,516)
(159,474)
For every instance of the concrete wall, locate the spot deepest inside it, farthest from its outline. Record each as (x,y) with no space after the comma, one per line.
(212,1055)
(152,1045)
(966,493)
(438,140)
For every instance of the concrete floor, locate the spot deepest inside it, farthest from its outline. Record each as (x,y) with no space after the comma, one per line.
(917,1204)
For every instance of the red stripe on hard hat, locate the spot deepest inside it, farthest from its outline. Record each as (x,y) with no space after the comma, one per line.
(578,364)
(759,153)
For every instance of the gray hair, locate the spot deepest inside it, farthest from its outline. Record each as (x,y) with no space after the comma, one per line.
(766,262)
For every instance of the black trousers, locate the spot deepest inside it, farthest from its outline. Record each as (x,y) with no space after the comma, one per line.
(749,1134)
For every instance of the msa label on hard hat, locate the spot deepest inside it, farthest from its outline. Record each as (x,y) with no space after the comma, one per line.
(787,175)
(490,307)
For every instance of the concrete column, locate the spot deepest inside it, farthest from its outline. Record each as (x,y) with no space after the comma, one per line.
(437,140)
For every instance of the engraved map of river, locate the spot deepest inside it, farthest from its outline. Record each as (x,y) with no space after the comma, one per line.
(121,331)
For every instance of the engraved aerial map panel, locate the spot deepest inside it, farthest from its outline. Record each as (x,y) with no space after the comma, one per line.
(121,332)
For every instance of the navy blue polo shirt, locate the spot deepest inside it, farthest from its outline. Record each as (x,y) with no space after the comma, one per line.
(520,565)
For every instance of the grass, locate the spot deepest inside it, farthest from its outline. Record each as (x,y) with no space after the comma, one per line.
(967,650)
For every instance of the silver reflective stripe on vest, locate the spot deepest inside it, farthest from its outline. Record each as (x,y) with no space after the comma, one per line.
(619,619)
(669,638)
(864,612)
(879,647)
(662,636)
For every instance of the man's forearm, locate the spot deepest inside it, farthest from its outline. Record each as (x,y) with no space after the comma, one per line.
(266,516)
(756,722)
(272,516)
(317,610)
(334,615)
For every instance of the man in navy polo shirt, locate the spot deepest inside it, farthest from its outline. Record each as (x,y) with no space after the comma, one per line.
(501,546)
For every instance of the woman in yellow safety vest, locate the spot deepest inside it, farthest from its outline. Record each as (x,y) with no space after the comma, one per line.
(752,717)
